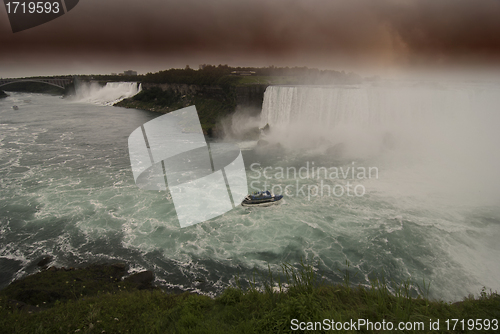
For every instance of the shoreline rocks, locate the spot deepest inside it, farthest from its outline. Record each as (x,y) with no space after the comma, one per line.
(53,284)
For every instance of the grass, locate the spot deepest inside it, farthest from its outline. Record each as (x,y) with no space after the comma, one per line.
(48,287)
(265,307)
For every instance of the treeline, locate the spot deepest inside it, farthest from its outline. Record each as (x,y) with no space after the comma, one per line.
(224,75)
(160,97)
(211,107)
(305,73)
(104,78)
(207,76)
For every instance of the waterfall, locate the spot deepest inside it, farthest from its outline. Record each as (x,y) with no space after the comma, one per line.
(369,114)
(368,105)
(109,94)
(448,130)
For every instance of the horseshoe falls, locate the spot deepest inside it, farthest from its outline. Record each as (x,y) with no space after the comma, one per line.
(433,211)
(398,180)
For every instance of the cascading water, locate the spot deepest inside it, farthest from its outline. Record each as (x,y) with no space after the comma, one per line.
(109,94)
(435,147)
(330,106)
(366,117)
(430,210)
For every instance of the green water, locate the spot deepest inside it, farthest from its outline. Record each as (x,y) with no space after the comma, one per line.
(67,190)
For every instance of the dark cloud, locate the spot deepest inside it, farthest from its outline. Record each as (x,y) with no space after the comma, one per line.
(445,30)
(280,31)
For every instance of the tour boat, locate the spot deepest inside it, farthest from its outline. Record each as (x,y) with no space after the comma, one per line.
(261,198)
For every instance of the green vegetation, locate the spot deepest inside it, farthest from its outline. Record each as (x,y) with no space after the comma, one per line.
(159,97)
(105,78)
(224,75)
(214,94)
(297,293)
(215,89)
(211,111)
(211,107)
(208,76)
(55,285)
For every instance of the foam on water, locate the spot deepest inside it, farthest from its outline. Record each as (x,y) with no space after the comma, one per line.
(68,191)
(435,150)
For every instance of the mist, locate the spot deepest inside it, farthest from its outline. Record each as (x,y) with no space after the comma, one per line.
(437,138)
(108,94)
(241,125)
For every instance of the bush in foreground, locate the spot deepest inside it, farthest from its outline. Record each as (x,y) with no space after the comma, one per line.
(268,309)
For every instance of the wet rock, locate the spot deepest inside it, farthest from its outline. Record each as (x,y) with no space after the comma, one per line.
(144,279)
(120,266)
(266,129)
(45,261)
(119,270)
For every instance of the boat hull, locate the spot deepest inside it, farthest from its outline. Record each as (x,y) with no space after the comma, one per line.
(273,201)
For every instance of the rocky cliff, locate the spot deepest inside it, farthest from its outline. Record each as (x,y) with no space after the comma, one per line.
(245,95)
(212,102)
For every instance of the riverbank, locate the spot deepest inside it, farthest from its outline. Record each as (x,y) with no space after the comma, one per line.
(97,299)
(213,103)
(3,94)
(210,110)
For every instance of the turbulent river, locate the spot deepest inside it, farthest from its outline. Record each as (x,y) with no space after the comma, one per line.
(400,182)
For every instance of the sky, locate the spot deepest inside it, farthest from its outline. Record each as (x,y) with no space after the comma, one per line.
(362,36)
